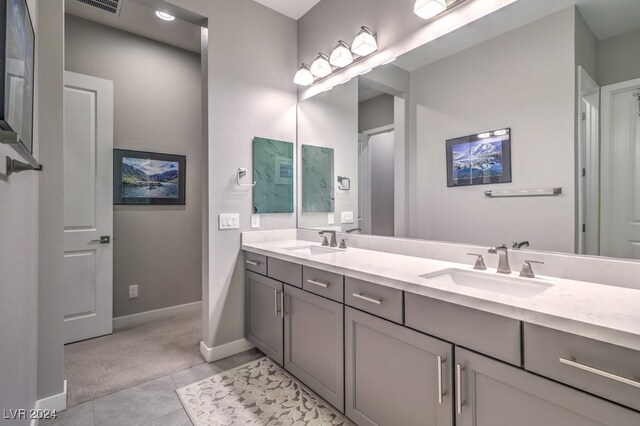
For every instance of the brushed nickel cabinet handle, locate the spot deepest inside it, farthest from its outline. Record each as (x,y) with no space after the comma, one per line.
(367,299)
(275,301)
(459,402)
(601,373)
(441,392)
(252,263)
(318,283)
(282,304)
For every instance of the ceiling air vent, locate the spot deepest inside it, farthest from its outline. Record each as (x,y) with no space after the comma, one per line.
(111,6)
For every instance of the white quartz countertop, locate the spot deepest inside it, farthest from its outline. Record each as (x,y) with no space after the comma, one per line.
(602,312)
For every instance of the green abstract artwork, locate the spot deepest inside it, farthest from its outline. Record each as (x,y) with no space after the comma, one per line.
(317,179)
(273,174)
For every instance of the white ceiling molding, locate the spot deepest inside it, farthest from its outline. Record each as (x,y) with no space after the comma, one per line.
(294,9)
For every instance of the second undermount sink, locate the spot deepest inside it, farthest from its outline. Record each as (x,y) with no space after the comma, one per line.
(503,284)
(314,250)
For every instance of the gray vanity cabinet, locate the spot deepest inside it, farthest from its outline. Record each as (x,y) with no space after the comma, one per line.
(314,343)
(264,314)
(394,375)
(489,392)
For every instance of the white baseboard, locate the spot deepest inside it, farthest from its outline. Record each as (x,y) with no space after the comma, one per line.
(158,314)
(56,402)
(223,351)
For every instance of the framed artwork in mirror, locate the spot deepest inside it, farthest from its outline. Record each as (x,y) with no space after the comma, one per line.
(480,159)
(148,178)
(17,50)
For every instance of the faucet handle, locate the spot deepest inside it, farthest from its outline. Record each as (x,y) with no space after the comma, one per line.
(527,270)
(343,243)
(325,242)
(480,266)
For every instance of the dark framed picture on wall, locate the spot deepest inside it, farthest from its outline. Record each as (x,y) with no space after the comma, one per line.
(148,178)
(480,159)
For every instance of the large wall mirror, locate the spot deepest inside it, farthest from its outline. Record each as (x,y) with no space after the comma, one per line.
(566,88)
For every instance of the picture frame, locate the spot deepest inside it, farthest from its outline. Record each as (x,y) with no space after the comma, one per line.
(17,67)
(148,178)
(479,159)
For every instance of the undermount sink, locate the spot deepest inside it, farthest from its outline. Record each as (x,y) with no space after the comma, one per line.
(503,284)
(312,250)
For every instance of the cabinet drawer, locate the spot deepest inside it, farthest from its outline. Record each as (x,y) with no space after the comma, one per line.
(490,334)
(603,369)
(323,283)
(382,301)
(286,272)
(255,262)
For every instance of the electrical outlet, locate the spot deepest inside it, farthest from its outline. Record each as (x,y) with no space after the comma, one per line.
(331,219)
(229,221)
(347,217)
(133,291)
(255,221)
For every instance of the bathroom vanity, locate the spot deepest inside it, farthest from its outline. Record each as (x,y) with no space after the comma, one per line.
(391,339)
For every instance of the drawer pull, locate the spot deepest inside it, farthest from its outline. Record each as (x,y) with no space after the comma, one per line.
(459,402)
(367,299)
(440,391)
(252,263)
(601,373)
(318,283)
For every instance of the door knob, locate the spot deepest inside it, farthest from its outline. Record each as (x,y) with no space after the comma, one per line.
(105,239)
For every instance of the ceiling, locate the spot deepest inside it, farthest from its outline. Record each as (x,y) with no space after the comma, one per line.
(609,18)
(292,8)
(138,19)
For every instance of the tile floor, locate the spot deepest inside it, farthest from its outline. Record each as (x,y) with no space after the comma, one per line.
(154,403)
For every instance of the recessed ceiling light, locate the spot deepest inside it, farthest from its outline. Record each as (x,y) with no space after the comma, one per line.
(165,16)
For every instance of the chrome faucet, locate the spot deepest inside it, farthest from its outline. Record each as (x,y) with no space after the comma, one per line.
(334,242)
(503,260)
(351,231)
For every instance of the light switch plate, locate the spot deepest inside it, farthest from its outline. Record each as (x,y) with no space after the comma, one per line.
(331,219)
(347,217)
(255,221)
(133,291)
(229,221)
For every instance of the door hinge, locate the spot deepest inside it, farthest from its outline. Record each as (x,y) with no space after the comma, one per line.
(584,116)
(584,228)
(584,172)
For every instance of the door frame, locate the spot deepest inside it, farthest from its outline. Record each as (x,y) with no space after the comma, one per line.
(588,170)
(606,164)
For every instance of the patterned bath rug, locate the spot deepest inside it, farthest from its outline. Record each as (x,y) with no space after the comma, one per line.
(258,393)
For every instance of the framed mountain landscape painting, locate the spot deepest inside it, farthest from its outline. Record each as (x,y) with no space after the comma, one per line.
(148,178)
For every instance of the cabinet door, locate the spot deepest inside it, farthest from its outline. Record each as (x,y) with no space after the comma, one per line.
(314,343)
(264,315)
(489,392)
(395,376)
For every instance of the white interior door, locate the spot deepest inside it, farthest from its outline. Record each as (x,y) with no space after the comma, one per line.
(620,236)
(88,207)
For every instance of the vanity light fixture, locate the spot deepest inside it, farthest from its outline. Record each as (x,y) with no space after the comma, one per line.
(321,67)
(365,42)
(341,55)
(500,132)
(484,135)
(165,16)
(427,9)
(303,77)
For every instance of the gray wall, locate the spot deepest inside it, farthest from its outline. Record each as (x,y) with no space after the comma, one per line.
(51,198)
(250,93)
(618,58)
(586,47)
(381,149)
(524,80)
(157,104)
(376,112)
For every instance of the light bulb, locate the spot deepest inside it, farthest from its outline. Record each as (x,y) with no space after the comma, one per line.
(365,42)
(303,77)
(341,55)
(165,16)
(321,66)
(427,9)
